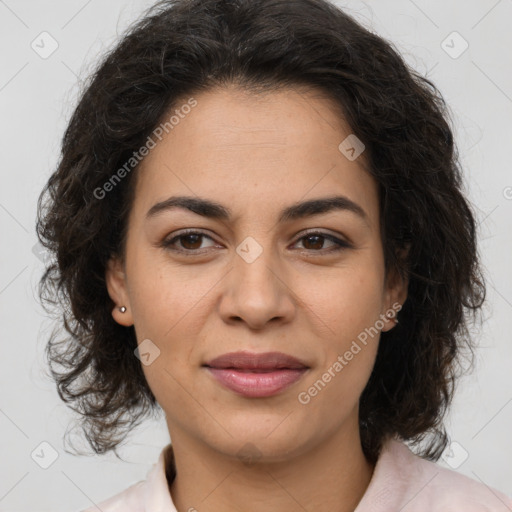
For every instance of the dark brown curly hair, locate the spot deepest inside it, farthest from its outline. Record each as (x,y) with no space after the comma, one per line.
(182,47)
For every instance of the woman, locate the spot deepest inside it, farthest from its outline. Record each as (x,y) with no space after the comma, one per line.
(259,227)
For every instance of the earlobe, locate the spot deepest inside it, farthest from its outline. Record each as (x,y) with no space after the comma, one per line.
(396,298)
(115,279)
(397,287)
(391,317)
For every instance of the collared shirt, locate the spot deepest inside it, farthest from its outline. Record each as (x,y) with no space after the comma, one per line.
(401,481)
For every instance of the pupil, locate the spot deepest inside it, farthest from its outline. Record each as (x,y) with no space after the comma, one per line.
(317,244)
(195,241)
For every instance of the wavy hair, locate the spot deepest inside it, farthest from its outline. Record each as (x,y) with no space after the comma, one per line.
(182,47)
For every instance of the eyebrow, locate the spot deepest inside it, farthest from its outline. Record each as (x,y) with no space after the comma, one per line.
(214,210)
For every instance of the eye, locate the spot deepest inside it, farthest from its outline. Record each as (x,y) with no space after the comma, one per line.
(315,240)
(187,242)
(190,242)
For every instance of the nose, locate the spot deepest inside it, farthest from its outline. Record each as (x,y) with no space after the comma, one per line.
(257,292)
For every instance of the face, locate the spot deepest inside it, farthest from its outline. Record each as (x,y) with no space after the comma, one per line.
(255,271)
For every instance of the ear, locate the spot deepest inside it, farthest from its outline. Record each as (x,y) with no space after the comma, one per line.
(395,293)
(115,278)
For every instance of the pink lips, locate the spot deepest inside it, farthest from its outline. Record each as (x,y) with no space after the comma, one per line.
(256,375)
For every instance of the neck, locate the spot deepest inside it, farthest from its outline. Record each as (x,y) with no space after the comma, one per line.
(333,475)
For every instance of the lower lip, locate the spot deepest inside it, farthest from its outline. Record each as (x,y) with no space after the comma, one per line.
(257,385)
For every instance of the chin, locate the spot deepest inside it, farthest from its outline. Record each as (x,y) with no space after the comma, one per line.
(260,442)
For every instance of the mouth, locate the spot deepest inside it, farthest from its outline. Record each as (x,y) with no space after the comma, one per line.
(256,375)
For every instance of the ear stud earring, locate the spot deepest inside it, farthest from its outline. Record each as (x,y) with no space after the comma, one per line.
(122,309)
(392,314)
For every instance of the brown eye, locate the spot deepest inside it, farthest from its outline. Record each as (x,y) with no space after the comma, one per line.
(191,242)
(188,242)
(315,242)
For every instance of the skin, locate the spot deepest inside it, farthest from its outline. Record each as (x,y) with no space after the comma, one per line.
(256,155)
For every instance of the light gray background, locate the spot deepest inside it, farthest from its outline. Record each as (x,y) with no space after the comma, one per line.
(36,99)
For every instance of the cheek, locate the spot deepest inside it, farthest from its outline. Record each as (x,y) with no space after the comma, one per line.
(162,294)
(169,308)
(346,300)
(167,311)
(347,306)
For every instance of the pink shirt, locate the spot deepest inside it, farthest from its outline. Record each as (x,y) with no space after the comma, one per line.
(401,482)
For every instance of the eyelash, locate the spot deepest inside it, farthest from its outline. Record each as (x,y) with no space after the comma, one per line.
(340,244)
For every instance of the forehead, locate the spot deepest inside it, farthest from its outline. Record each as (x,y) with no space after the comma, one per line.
(254,151)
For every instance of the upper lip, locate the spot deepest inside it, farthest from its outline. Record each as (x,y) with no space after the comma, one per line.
(254,361)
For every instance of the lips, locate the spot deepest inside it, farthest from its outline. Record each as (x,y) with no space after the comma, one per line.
(256,375)
(259,362)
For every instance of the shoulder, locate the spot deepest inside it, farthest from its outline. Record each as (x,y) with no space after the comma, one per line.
(128,500)
(146,495)
(446,489)
(413,484)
